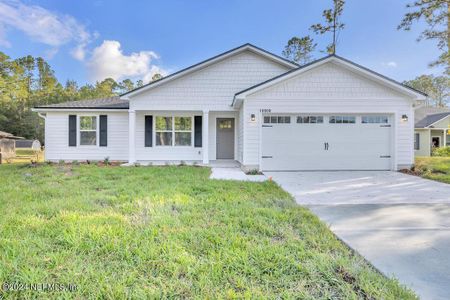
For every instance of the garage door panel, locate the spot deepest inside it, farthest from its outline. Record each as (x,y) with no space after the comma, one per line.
(302,146)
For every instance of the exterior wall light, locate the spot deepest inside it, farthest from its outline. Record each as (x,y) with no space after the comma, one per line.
(253,117)
(404,118)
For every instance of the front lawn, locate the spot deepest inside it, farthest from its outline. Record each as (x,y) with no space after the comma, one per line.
(146,232)
(436,168)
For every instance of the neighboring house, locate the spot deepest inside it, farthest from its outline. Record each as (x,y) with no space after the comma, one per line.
(7,145)
(28,144)
(432,129)
(250,106)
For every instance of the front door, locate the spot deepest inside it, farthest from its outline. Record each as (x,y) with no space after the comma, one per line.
(225,138)
(435,142)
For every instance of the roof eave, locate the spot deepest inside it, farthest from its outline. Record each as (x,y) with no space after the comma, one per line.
(413,94)
(45,109)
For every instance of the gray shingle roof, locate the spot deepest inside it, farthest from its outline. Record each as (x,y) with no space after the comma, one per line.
(100,103)
(7,135)
(426,116)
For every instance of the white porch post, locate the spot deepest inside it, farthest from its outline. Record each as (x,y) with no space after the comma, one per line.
(131,136)
(205,137)
(445,138)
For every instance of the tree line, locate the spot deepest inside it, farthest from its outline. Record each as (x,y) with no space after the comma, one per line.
(30,81)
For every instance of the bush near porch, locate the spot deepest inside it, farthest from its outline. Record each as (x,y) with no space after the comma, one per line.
(151,232)
(441,151)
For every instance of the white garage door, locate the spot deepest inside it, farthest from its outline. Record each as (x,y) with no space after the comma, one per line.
(326,142)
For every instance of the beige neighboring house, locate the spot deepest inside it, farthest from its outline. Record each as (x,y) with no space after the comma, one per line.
(432,129)
(7,145)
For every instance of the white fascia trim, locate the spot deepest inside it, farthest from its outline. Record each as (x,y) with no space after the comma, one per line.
(395,86)
(413,96)
(207,63)
(81,110)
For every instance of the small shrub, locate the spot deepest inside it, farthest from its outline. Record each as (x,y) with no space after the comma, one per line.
(75,162)
(254,172)
(441,151)
(136,164)
(61,162)
(106,161)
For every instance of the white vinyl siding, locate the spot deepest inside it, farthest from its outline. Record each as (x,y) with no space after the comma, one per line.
(57,138)
(210,88)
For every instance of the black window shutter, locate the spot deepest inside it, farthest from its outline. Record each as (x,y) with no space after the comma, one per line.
(103,130)
(198,131)
(72,130)
(148,131)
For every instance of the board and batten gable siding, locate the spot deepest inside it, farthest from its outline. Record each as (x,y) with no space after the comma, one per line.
(211,88)
(329,88)
(57,138)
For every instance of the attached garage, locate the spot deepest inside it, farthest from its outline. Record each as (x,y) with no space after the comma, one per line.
(329,115)
(326,142)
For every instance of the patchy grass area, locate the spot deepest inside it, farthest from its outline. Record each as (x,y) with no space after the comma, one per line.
(436,168)
(25,156)
(170,232)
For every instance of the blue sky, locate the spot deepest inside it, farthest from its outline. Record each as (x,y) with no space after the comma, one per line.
(88,40)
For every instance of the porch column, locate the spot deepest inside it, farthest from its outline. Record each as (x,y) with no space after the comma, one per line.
(205,137)
(445,138)
(131,136)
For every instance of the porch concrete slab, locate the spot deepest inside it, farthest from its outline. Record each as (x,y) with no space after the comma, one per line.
(234,174)
(360,187)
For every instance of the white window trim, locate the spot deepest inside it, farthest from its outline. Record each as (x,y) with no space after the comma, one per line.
(173,131)
(97,131)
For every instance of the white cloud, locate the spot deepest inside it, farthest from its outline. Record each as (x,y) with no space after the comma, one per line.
(390,64)
(108,60)
(50,53)
(42,25)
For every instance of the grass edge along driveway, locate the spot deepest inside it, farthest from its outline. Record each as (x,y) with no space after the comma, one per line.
(170,232)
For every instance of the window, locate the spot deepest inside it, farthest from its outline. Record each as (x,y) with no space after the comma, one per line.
(342,119)
(88,130)
(173,131)
(309,119)
(375,119)
(416,141)
(225,124)
(183,131)
(277,119)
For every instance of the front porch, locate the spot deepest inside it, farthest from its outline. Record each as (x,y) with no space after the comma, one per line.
(206,138)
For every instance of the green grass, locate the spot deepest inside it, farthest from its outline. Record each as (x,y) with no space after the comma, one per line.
(436,168)
(145,232)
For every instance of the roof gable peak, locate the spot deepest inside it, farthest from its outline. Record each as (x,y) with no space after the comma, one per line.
(211,61)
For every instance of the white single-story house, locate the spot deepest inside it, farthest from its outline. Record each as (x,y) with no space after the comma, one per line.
(250,106)
(432,129)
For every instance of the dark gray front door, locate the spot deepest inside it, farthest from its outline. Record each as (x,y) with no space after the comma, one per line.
(225,138)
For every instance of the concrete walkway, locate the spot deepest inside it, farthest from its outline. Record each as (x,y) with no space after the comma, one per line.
(234,174)
(400,223)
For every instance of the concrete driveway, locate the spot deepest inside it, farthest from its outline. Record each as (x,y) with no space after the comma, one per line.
(400,223)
